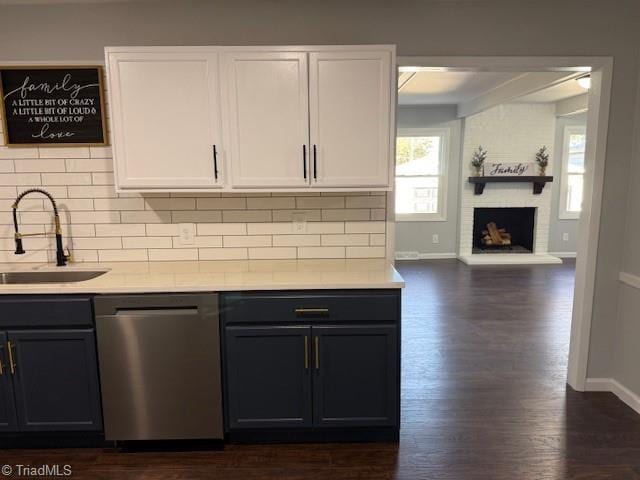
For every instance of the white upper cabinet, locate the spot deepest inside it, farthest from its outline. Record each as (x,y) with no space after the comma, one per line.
(165,119)
(350,112)
(249,119)
(267,117)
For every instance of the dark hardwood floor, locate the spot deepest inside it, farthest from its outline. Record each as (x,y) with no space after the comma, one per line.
(483,397)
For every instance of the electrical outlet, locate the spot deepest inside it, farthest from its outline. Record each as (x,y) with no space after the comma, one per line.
(435,238)
(187,233)
(565,237)
(299,220)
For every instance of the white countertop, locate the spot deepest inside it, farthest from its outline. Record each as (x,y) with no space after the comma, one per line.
(149,277)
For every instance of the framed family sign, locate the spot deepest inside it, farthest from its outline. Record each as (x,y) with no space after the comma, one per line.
(54,106)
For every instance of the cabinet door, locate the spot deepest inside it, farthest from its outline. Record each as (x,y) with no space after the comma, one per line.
(350,111)
(56,380)
(7,406)
(355,376)
(267,115)
(268,377)
(165,118)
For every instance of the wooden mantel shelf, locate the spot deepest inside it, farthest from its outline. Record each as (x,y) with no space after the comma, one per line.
(538,182)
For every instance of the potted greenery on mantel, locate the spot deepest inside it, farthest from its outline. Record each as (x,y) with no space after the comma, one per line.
(542,159)
(477,161)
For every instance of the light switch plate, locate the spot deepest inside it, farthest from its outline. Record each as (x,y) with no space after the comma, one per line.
(187,233)
(435,238)
(565,237)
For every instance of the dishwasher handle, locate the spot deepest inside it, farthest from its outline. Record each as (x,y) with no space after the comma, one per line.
(151,312)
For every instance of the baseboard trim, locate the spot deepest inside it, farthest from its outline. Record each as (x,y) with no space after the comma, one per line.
(614,386)
(423,256)
(630,279)
(564,254)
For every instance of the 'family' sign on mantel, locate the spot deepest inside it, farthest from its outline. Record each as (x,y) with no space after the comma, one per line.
(52,106)
(509,170)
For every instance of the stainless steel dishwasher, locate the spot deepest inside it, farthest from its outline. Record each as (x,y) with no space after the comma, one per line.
(160,366)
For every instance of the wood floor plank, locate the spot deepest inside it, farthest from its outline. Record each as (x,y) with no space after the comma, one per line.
(484,396)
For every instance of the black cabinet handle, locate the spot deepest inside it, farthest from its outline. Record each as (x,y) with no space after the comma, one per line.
(315,164)
(215,162)
(304,161)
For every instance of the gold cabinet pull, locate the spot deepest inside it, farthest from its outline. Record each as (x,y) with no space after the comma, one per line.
(12,365)
(317,349)
(306,352)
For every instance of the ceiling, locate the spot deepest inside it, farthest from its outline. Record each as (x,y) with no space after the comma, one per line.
(441,88)
(453,87)
(561,91)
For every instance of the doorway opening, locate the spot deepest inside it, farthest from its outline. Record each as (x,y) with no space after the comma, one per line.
(517,110)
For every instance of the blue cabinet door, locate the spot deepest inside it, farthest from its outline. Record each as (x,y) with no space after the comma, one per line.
(56,380)
(355,380)
(8,421)
(268,377)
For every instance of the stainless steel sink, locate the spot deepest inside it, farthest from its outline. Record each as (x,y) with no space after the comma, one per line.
(7,278)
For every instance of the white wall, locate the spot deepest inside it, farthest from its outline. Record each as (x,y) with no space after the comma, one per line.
(489,27)
(558,226)
(417,236)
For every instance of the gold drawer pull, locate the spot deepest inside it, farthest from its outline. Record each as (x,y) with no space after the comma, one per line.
(311,311)
(317,353)
(12,365)
(306,352)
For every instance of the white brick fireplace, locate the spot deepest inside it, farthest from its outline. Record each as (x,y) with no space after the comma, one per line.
(510,133)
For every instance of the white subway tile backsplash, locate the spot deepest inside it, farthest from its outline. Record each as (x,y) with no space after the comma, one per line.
(274,253)
(320,202)
(246,241)
(66,179)
(270,203)
(137,255)
(122,230)
(39,166)
(345,214)
(346,239)
(321,252)
(296,240)
(223,254)
(366,202)
(233,203)
(170,254)
(63,152)
(93,191)
(102,225)
(97,243)
(287,215)
(364,227)
(89,164)
(119,204)
(20,179)
(7,153)
(196,216)
(246,216)
(103,178)
(222,229)
(170,203)
(146,216)
(147,242)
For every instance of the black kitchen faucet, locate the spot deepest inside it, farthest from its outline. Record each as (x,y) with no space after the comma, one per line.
(61,258)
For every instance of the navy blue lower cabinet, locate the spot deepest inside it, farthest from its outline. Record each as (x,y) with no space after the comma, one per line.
(355,381)
(55,380)
(8,416)
(268,377)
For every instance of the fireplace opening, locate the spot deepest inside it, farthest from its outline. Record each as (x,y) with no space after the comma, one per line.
(503,230)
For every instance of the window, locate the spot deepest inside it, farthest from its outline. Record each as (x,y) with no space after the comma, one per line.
(420,174)
(572,181)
